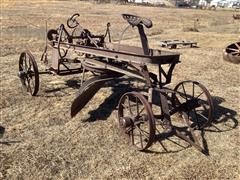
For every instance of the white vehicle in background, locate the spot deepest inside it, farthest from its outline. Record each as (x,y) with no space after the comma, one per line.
(214,3)
(222,4)
(202,3)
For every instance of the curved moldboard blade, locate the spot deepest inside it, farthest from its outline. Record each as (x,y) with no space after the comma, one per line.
(87,91)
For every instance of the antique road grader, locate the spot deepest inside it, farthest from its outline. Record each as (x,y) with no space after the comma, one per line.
(145,116)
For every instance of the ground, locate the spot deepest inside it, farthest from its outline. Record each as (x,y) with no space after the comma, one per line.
(41,141)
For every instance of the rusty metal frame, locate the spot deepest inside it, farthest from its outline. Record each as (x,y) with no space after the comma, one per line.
(108,61)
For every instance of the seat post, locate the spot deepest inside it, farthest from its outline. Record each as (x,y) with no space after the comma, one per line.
(144,39)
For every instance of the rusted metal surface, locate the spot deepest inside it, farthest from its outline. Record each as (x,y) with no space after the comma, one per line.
(194,99)
(136,119)
(232,53)
(87,91)
(28,73)
(107,61)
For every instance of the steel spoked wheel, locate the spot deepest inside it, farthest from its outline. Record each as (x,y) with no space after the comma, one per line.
(28,73)
(193,99)
(136,119)
(232,53)
(234,49)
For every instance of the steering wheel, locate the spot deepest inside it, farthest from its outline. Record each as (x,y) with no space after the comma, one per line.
(72,21)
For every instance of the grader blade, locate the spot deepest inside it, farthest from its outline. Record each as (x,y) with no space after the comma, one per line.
(87,91)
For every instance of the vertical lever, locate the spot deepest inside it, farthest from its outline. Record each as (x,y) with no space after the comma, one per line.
(144,39)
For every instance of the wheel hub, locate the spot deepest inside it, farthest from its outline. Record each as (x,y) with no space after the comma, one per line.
(131,121)
(126,122)
(22,74)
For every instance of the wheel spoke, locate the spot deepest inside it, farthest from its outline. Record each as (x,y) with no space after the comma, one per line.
(231,49)
(141,111)
(32,73)
(30,65)
(200,95)
(125,106)
(184,92)
(182,95)
(176,100)
(236,44)
(137,106)
(29,86)
(129,105)
(33,83)
(141,139)
(234,53)
(25,61)
(146,134)
(204,117)
(193,90)
(21,67)
(204,107)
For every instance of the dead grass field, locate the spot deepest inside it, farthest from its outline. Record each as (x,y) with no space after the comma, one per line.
(42,141)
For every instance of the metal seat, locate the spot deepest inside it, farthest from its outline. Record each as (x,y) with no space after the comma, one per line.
(134,20)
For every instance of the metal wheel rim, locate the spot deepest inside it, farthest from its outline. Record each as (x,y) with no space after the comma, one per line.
(233,49)
(207,114)
(51,33)
(28,72)
(148,136)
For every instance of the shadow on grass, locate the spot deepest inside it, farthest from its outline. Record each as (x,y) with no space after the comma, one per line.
(8,143)
(224,118)
(104,110)
(177,144)
(2,131)
(59,92)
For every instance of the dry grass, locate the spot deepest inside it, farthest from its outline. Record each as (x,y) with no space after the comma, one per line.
(43,142)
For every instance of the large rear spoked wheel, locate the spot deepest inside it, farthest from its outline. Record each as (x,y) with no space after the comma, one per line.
(28,73)
(136,120)
(194,100)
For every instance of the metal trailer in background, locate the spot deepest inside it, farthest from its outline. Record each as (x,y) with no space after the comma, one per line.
(172,44)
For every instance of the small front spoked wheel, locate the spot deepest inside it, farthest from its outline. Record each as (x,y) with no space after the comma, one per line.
(28,73)
(195,101)
(135,118)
